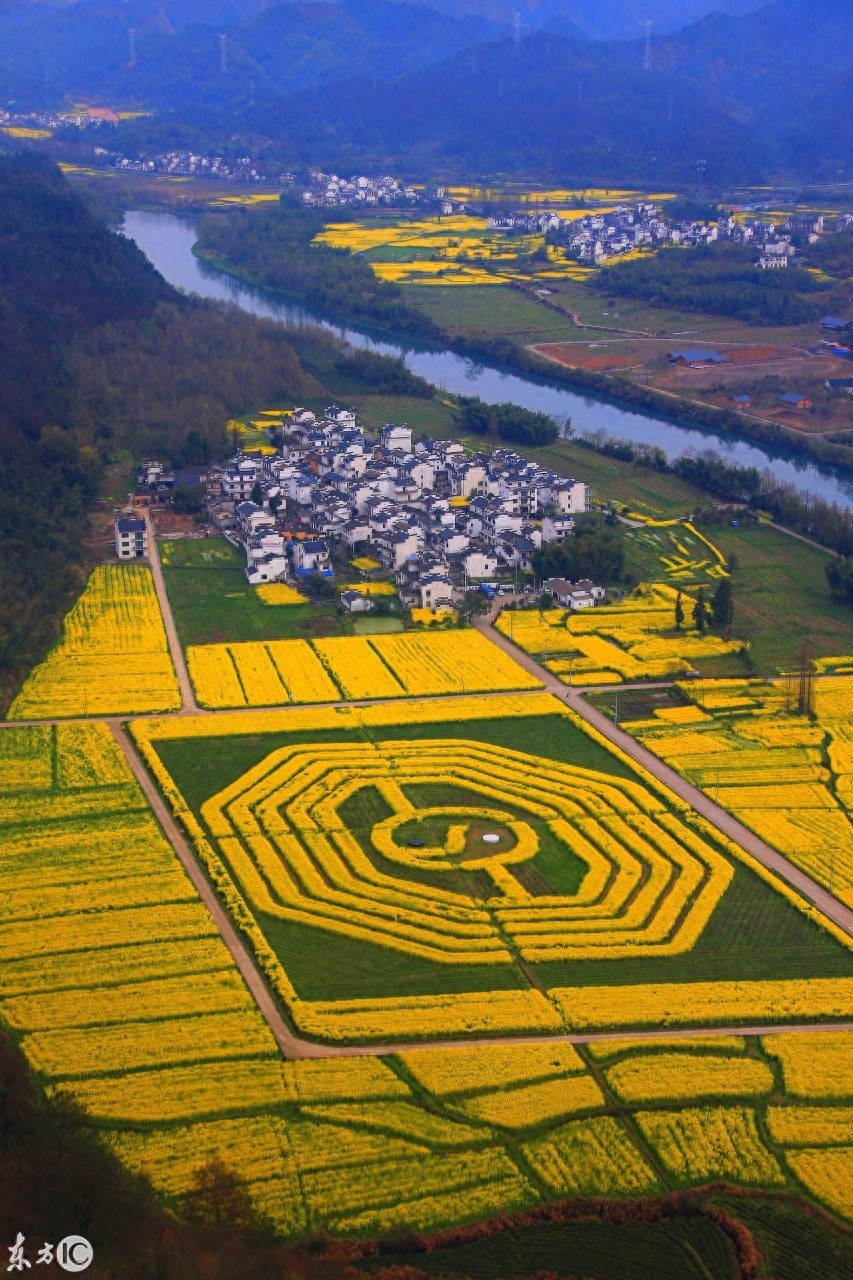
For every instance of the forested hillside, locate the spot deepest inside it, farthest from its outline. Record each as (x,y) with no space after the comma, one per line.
(96,352)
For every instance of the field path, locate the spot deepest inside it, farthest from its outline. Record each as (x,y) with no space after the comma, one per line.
(289,1044)
(178,661)
(721,818)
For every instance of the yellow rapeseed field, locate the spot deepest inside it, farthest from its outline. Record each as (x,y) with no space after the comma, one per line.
(828,1175)
(786,776)
(588,1158)
(709,1143)
(277,593)
(633,640)
(818,1065)
(662,1077)
(112,657)
(258,673)
(275,672)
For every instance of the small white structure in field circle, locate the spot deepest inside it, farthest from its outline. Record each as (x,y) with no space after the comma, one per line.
(491,838)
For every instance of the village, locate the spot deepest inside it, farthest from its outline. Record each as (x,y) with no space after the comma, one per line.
(432,515)
(602,236)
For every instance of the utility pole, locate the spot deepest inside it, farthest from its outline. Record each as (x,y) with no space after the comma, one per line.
(131,36)
(223,55)
(647,46)
(516,30)
(700,177)
(806,672)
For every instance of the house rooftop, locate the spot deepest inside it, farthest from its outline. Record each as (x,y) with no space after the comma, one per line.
(696,355)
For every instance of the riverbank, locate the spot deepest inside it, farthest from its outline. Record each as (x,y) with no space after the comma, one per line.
(667,407)
(167,240)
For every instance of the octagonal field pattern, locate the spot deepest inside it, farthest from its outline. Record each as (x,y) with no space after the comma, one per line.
(648,884)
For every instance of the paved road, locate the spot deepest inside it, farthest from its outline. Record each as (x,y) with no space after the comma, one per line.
(721,819)
(184,682)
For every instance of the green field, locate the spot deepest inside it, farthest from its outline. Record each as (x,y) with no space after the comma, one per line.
(683,1248)
(501,309)
(753,931)
(213,603)
(781,596)
(793,1241)
(494,310)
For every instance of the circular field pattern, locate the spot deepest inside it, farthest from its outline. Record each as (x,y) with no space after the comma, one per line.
(647,883)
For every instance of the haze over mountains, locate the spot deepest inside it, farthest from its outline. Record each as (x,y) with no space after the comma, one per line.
(752,90)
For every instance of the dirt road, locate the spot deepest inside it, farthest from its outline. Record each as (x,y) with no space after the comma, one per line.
(184,682)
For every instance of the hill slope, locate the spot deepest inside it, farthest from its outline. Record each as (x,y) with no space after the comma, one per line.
(188,53)
(96,350)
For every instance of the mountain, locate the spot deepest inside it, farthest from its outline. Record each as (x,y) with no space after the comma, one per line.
(769,60)
(618,19)
(217,51)
(377,83)
(550,106)
(729,90)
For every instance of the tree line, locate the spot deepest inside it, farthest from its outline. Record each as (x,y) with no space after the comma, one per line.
(274,247)
(826,522)
(720,279)
(506,422)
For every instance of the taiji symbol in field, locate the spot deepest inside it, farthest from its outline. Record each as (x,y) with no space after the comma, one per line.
(648,882)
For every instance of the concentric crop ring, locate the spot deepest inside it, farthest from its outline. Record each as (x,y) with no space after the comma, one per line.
(650,886)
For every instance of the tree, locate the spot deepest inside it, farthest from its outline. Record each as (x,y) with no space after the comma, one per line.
(196,451)
(839,575)
(319,585)
(257,494)
(474,603)
(722,605)
(188,499)
(700,611)
(679,612)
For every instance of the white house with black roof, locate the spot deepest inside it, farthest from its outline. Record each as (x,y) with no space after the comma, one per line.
(131,538)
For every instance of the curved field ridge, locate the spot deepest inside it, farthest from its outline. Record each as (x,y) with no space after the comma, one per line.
(650,885)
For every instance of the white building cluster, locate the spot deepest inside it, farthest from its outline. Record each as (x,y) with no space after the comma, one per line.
(434,514)
(328,190)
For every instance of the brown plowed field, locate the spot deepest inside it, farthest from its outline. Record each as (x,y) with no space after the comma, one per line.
(577,355)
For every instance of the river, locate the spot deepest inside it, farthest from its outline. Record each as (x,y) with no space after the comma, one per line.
(167,241)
